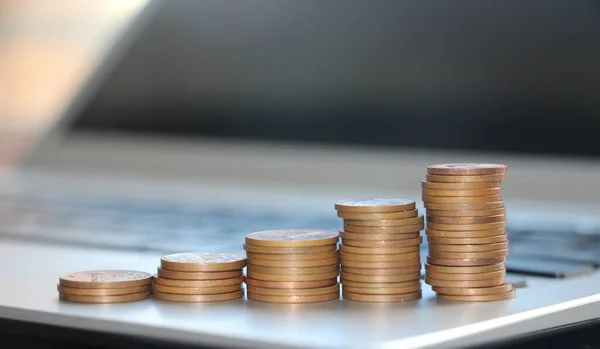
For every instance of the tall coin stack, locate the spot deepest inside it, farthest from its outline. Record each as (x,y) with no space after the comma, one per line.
(196,277)
(466,232)
(292,266)
(379,253)
(104,286)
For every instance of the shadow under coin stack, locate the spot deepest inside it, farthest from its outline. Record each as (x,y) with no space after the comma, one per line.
(199,277)
(379,253)
(104,286)
(292,266)
(466,232)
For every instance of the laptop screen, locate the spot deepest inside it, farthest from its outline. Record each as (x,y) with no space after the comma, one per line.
(509,76)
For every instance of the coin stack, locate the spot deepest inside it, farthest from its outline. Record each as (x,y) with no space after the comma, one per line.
(466,232)
(292,266)
(196,277)
(104,286)
(379,253)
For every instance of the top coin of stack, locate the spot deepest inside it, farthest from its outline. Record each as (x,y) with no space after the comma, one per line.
(199,277)
(379,253)
(292,266)
(466,232)
(104,286)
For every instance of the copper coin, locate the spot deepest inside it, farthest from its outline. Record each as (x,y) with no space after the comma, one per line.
(393,271)
(379,278)
(383,243)
(290,250)
(381,265)
(293,264)
(466,213)
(466,220)
(464,270)
(383,290)
(294,299)
(465,179)
(387,223)
(377,216)
(480,298)
(468,255)
(378,237)
(467,169)
(196,290)
(469,248)
(478,291)
(198,298)
(197,283)
(466,227)
(291,293)
(467,241)
(470,283)
(463,207)
(292,238)
(133,297)
(464,234)
(105,279)
(102,291)
(462,193)
(408,229)
(378,258)
(203,261)
(378,298)
(467,277)
(198,275)
(460,186)
(465,262)
(287,278)
(380,284)
(293,257)
(461,199)
(379,205)
(300,285)
(293,271)
(378,251)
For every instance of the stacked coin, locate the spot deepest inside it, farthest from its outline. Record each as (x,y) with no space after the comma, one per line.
(199,277)
(292,266)
(104,286)
(466,232)
(379,253)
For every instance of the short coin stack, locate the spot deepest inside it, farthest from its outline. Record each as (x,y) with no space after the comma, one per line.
(104,286)
(196,277)
(292,266)
(466,232)
(379,253)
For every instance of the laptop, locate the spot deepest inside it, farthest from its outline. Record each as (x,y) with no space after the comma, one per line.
(208,120)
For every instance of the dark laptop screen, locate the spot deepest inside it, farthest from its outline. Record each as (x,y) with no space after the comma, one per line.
(517,76)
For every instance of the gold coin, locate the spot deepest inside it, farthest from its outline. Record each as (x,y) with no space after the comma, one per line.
(460,186)
(291,293)
(293,285)
(377,216)
(292,238)
(408,229)
(464,234)
(467,169)
(293,264)
(377,237)
(381,265)
(197,283)
(378,258)
(481,298)
(467,277)
(380,284)
(198,298)
(291,250)
(294,271)
(203,261)
(377,205)
(465,179)
(196,290)
(467,241)
(102,291)
(466,220)
(293,257)
(379,278)
(466,213)
(378,251)
(294,299)
(470,283)
(297,277)
(463,207)
(393,271)
(378,298)
(469,248)
(383,290)
(461,193)
(466,227)
(464,270)
(465,262)
(198,275)
(105,279)
(479,291)
(461,199)
(383,243)
(387,223)
(105,299)
(468,255)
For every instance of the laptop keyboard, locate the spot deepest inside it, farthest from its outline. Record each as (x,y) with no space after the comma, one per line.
(170,227)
